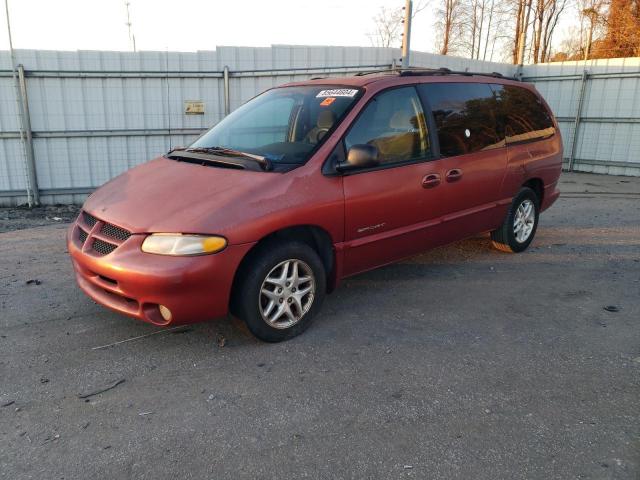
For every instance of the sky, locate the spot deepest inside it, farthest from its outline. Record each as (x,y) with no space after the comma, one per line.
(190,25)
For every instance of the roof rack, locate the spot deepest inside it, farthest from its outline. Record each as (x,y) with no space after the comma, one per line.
(372,72)
(411,71)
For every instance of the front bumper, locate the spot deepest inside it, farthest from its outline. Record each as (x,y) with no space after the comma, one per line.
(135,283)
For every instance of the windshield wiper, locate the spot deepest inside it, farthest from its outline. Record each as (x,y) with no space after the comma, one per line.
(263,161)
(181,154)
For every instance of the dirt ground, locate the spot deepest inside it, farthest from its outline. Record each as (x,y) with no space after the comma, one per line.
(24,217)
(461,363)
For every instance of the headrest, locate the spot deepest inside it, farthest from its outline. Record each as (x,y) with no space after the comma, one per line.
(326,118)
(400,120)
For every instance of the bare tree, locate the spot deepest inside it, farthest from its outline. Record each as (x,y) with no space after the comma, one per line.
(592,13)
(475,25)
(484,20)
(571,46)
(388,27)
(481,8)
(546,15)
(579,40)
(450,24)
(388,24)
(498,20)
(522,10)
(495,18)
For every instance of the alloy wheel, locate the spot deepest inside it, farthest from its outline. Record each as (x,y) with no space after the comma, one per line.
(524,221)
(287,293)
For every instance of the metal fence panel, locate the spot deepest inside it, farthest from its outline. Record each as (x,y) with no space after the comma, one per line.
(12,170)
(12,162)
(96,114)
(608,126)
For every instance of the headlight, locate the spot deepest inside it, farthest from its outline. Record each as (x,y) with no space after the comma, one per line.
(178,244)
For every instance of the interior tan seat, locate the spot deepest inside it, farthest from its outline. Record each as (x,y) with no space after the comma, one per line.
(400,143)
(325,121)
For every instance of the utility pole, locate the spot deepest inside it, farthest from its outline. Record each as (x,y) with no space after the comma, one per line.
(406,36)
(132,37)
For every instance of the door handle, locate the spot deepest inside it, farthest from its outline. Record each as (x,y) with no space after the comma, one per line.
(453,175)
(431,180)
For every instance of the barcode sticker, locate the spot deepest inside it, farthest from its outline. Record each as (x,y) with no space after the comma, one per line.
(339,92)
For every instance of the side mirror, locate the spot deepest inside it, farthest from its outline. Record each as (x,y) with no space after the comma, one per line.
(360,156)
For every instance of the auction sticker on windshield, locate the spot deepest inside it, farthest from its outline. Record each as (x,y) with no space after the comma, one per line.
(339,92)
(327,101)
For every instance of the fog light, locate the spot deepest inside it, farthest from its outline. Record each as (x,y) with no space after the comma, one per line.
(165,312)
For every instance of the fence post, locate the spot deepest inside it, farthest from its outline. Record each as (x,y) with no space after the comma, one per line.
(26,125)
(227,99)
(519,72)
(576,123)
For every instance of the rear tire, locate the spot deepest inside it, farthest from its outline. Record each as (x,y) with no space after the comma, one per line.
(280,289)
(519,226)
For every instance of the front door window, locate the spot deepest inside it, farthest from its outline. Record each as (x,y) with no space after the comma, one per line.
(395,124)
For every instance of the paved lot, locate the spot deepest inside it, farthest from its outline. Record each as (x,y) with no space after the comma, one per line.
(463,363)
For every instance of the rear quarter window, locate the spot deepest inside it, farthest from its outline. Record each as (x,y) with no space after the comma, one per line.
(523,117)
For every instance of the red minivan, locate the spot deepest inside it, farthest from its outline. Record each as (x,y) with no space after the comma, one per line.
(312,182)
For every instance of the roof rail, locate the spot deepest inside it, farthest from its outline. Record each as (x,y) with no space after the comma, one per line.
(371,72)
(401,70)
(446,71)
(411,71)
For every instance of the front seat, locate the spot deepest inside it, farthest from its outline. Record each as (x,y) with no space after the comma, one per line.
(325,121)
(402,142)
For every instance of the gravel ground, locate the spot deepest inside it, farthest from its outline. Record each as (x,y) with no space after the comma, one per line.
(462,363)
(24,217)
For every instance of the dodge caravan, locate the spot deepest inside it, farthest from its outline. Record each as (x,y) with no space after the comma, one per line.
(312,182)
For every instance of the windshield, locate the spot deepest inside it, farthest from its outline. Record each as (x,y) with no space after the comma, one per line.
(283,125)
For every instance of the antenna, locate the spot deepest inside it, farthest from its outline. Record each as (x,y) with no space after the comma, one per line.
(132,37)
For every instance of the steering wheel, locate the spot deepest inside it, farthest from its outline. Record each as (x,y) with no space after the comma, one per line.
(321,133)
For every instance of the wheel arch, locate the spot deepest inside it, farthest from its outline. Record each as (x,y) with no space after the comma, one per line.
(313,235)
(537,185)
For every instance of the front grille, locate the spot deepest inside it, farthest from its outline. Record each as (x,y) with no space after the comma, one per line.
(115,232)
(90,220)
(102,247)
(90,228)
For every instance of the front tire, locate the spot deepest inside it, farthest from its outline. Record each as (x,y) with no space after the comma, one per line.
(281,288)
(519,226)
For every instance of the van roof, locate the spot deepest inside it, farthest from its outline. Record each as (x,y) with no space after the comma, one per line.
(390,76)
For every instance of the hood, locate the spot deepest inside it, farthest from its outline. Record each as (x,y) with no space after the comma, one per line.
(169,196)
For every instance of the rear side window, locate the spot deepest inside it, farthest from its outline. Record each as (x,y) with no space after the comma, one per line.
(522,115)
(465,116)
(394,122)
